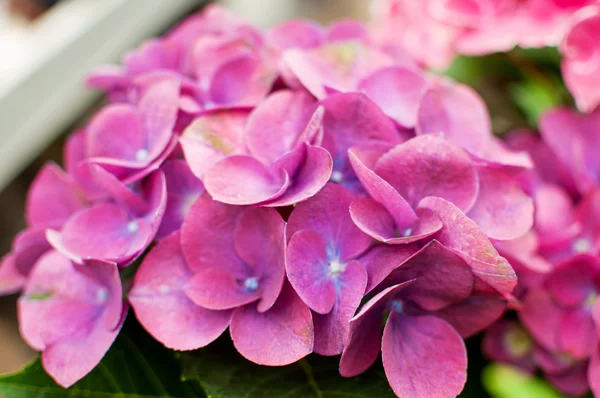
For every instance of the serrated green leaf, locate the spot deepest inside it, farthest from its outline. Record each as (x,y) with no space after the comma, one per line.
(504,381)
(135,367)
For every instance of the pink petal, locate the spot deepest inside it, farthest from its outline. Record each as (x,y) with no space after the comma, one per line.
(274,126)
(29,245)
(347,29)
(296,34)
(397,91)
(541,317)
(502,210)
(53,197)
(577,336)
(183,188)
(328,214)
(160,304)
(353,120)
(593,375)
(423,357)
(464,237)
(211,137)
(216,289)
(308,270)
(380,190)
(260,242)
(441,277)
(312,175)
(277,337)
(580,66)
(207,236)
(332,330)
(457,111)
(474,314)
(430,165)
(11,280)
(364,342)
(243,180)
(243,81)
(381,260)
(573,281)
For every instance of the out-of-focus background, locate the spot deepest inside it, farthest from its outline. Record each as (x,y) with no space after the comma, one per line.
(46,49)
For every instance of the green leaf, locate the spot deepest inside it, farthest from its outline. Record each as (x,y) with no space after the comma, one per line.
(135,367)
(504,381)
(223,373)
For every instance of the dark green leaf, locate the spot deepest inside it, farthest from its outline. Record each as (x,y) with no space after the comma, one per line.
(135,366)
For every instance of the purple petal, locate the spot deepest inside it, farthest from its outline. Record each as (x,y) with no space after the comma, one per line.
(28,246)
(312,175)
(207,236)
(464,237)
(430,165)
(353,120)
(243,180)
(183,188)
(474,314)
(572,382)
(274,126)
(332,330)
(381,260)
(457,111)
(380,190)
(211,137)
(277,337)
(11,280)
(364,342)
(572,282)
(260,242)
(327,213)
(397,91)
(243,81)
(53,197)
(441,277)
(502,210)
(423,356)
(308,270)
(162,307)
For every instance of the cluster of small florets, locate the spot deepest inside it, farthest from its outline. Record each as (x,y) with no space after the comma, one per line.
(270,183)
(557,328)
(433,32)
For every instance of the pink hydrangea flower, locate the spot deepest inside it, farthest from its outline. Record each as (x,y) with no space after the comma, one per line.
(71,313)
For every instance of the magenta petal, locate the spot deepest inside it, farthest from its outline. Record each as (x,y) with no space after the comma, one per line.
(207,236)
(594,372)
(160,304)
(397,91)
(106,231)
(328,214)
(117,190)
(11,280)
(474,314)
(364,342)
(423,356)
(430,165)
(243,180)
(308,271)
(457,111)
(464,237)
(274,126)
(380,190)
(332,330)
(183,188)
(577,336)
(28,246)
(573,281)
(215,289)
(260,242)
(541,317)
(353,120)
(381,260)
(441,277)
(277,337)
(312,175)
(502,210)
(53,197)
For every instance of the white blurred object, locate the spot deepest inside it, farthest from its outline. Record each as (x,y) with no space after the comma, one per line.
(42,66)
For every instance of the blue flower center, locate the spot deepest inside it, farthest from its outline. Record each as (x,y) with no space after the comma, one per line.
(397,306)
(251,284)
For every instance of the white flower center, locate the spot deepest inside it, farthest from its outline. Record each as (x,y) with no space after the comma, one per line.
(163,289)
(132,227)
(251,284)
(141,155)
(581,245)
(102,295)
(337,176)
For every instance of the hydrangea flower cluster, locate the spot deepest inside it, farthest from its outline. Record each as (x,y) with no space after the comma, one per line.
(433,31)
(304,188)
(558,262)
